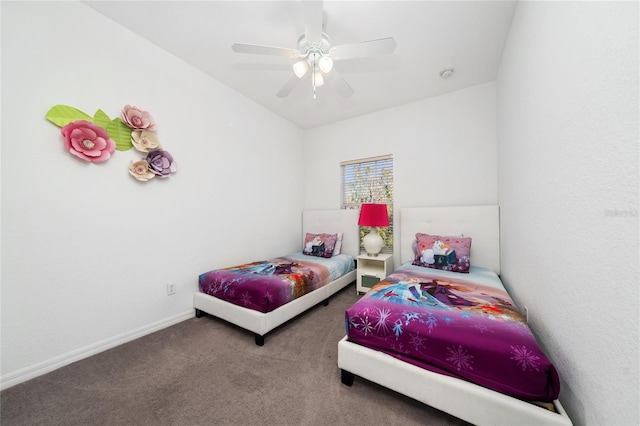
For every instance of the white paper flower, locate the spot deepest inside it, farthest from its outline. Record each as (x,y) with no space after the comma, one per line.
(140,170)
(144,141)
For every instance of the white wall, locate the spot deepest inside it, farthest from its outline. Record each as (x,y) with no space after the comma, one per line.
(87,250)
(568,190)
(444,151)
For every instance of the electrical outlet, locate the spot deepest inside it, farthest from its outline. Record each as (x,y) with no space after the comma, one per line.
(526,314)
(171,289)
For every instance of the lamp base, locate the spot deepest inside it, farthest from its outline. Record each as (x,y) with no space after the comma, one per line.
(372,242)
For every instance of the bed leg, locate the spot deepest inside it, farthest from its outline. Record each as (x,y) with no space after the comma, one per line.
(259,340)
(199,313)
(325,302)
(347,378)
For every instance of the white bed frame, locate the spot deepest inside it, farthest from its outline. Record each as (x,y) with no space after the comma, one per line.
(260,323)
(462,399)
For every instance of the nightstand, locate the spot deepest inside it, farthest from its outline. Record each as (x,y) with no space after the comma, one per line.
(372,269)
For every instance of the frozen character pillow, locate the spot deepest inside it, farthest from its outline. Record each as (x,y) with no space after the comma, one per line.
(443,252)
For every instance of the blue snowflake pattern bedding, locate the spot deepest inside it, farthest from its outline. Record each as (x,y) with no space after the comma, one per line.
(461,325)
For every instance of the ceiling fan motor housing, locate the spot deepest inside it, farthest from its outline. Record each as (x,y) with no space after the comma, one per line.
(314,56)
(305,47)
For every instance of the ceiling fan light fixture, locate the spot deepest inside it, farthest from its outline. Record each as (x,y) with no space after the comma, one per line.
(325,64)
(315,54)
(300,68)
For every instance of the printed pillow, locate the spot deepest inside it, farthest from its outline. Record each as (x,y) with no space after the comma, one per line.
(441,252)
(338,248)
(320,245)
(414,247)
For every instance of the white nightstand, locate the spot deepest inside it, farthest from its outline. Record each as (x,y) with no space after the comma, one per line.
(372,269)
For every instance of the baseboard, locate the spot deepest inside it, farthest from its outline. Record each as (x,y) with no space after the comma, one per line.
(27,373)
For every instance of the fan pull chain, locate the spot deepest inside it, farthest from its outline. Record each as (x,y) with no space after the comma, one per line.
(313,77)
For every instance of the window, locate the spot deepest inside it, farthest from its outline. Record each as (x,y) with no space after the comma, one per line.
(370,180)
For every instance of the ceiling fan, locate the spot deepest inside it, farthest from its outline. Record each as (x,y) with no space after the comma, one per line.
(316,55)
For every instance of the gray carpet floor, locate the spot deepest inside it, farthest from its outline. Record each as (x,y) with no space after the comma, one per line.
(205,371)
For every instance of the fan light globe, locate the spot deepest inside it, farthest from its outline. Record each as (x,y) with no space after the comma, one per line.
(325,64)
(318,79)
(300,68)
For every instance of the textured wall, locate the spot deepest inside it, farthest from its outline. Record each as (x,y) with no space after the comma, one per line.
(568,191)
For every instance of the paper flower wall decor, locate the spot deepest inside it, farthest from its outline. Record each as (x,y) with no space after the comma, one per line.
(161,163)
(140,170)
(87,141)
(137,118)
(95,138)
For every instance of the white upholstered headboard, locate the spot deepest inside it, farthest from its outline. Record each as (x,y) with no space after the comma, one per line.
(332,222)
(481,223)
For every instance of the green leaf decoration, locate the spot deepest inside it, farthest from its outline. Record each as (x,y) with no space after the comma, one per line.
(101,119)
(120,133)
(61,115)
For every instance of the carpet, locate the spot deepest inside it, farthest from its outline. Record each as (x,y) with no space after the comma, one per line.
(205,371)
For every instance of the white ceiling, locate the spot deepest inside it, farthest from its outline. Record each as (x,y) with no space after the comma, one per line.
(468,36)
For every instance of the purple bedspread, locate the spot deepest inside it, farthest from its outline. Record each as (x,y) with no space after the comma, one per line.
(265,285)
(446,324)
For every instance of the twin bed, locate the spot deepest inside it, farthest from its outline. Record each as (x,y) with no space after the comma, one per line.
(451,338)
(261,296)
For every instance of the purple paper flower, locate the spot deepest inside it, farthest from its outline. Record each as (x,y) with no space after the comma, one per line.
(88,141)
(161,163)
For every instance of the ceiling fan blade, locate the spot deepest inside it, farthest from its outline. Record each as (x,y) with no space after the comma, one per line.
(288,86)
(264,50)
(341,85)
(312,18)
(381,46)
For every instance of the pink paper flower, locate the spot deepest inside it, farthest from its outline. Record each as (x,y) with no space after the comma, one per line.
(138,118)
(88,141)
(161,163)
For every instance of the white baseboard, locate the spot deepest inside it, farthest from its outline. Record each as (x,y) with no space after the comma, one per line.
(27,373)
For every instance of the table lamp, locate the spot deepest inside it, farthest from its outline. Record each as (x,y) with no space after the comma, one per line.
(373,215)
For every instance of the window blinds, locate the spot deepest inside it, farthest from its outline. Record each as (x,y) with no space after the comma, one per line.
(370,180)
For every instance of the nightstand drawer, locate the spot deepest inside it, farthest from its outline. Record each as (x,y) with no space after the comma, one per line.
(369,281)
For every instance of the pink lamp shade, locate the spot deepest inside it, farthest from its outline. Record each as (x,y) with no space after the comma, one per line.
(373,215)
